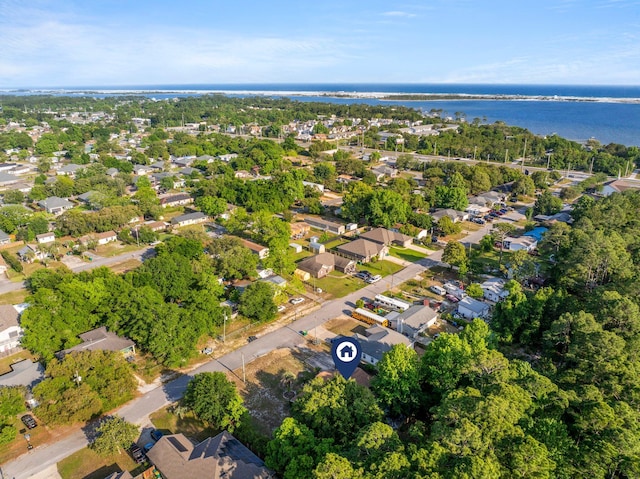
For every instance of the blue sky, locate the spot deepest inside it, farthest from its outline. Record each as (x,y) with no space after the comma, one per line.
(142,42)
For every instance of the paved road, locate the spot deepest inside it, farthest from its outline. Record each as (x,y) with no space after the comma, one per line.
(7,286)
(287,336)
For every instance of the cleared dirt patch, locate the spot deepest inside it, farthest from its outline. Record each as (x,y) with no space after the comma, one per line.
(269,378)
(345,326)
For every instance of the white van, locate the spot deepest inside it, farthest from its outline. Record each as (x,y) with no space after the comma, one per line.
(438,290)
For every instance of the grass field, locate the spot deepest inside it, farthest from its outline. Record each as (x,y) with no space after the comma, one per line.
(86,464)
(383,268)
(407,254)
(14,297)
(167,422)
(339,285)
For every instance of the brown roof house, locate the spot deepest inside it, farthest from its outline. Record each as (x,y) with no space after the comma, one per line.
(363,250)
(257,249)
(222,456)
(99,238)
(100,339)
(322,264)
(387,237)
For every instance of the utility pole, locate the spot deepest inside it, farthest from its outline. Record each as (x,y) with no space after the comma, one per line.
(474,152)
(244,373)
(506,155)
(224,329)
(524,154)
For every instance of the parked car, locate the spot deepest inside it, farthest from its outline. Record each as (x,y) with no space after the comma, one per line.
(252,338)
(156,435)
(147,447)
(28,421)
(295,301)
(281,308)
(452,298)
(374,279)
(207,350)
(136,453)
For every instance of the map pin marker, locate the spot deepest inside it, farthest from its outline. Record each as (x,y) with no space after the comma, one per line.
(346,353)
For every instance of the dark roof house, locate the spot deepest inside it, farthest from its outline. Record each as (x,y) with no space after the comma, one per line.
(362,250)
(100,339)
(222,456)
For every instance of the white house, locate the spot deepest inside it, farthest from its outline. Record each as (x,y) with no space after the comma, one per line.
(10,330)
(470,308)
(378,340)
(494,290)
(46,238)
(527,243)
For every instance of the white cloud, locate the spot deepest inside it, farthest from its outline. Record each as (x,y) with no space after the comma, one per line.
(397,13)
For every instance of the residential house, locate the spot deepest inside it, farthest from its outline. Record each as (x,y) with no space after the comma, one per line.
(3,266)
(384,171)
(487,199)
(363,250)
(156,225)
(378,340)
(316,186)
(142,170)
(8,179)
(120,475)
(413,321)
(55,205)
(324,225)
(527,243)
(184,161)
(99,238)
(228,157)
(316,247)
(100,339)
(455,215)
(299,230)
(494,290)
(619,185)
(475,209)
(4,238)
(219,457)
(88,196)
(386,237)
(322,264)
(69,170)
(23,373)
(112,172)
(470,308)
(257,249)
(10,330)
(156,179)
(179,199)
(189,219)
(43,238)
(243,174)
(276,280)
(29,254)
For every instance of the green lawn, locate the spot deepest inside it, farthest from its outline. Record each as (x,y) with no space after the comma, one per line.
(339,285)
(335,243)
(86,464)
(169,423)
(406,254)
(383,268)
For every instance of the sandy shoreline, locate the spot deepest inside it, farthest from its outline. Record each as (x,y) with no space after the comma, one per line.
(383,96)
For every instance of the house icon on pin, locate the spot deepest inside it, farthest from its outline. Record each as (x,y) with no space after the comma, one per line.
(346,352)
